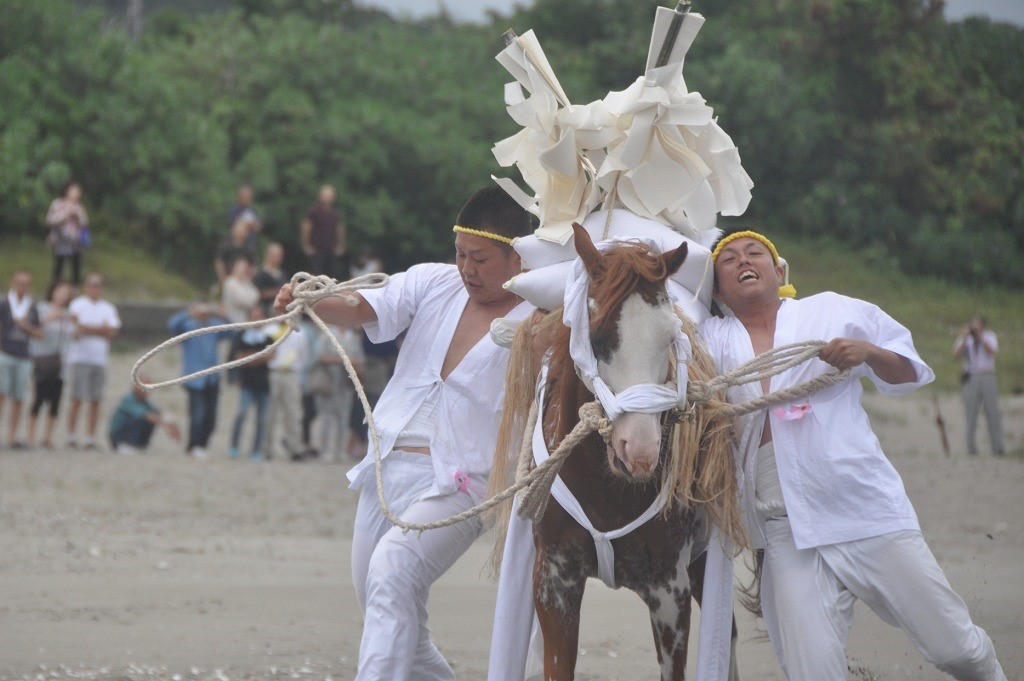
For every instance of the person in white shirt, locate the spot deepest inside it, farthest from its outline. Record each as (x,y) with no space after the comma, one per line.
(334,405)
(286,394)
(437,420)
(96,324)
(977,347)
(821,500)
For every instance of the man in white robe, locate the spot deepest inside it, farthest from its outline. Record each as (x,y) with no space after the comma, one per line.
(820,498)
(437,421)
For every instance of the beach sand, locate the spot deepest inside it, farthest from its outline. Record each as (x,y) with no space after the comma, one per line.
(163,567)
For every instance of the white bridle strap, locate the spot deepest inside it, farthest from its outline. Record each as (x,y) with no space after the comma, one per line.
(645,398)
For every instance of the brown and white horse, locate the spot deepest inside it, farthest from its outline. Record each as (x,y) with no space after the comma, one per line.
(632,326)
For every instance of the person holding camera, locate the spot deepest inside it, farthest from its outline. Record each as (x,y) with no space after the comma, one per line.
(977,347)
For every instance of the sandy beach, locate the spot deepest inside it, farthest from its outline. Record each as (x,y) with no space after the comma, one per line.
(163,567)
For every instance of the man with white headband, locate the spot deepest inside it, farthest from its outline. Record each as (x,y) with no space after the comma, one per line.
(437,421)
(823,506)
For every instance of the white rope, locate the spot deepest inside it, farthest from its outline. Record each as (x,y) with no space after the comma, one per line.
(307,290)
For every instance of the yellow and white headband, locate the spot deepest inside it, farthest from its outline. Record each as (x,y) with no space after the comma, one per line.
(787,290)
(480,232)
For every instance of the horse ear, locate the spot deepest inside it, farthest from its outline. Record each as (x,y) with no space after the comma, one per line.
(585,248)
(674,259)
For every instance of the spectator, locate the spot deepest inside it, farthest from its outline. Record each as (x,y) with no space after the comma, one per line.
(334,405)
(977,347)
(96,324)
(19,322)
(234,247)
(253,383)
(49,355)
(323,234)
(69,232)
(199,353)
(240,294)
(309,333)
(269,278)
(133,423)
(244,210)
(286,393)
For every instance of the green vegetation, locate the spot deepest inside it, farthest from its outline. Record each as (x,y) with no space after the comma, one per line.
(873,126)
(874,122)
(131,273)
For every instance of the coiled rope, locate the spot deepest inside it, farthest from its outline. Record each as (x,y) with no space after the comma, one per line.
(307,290)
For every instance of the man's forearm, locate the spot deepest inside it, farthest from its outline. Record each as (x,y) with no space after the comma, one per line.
(891,367)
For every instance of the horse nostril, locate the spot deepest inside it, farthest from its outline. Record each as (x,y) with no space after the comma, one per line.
(622,467)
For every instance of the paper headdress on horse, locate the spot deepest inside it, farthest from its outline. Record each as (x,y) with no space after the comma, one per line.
(652,156)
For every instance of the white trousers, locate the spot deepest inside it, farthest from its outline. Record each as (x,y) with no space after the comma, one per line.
(807,596)
(286,408)
(981,391)
(334,411)
(393,572)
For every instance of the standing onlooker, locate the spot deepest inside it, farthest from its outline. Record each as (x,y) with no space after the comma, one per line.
(243,210)
(309,333)
(133,423)
(197,354)
(323,234)
(269,278)
(334,405)
(286,393)
(254,384)
(96,324)
(49,356)
(240,294)
(19,321)
(69,232)
(234,247)
(977,347)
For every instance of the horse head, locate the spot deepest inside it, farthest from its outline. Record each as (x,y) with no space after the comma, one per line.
(632,326)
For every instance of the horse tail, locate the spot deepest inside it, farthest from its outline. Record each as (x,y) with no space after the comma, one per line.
(750,594)
(520,390)
(701,468)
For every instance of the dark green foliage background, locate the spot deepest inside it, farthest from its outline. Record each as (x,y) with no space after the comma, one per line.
(874,122)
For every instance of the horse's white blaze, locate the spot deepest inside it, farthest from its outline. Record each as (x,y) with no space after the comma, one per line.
(645,333)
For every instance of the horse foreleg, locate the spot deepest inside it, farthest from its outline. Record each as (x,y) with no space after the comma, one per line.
(558,595)
(670,621)
(670,607)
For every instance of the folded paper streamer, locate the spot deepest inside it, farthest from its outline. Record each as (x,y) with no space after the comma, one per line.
(653,148)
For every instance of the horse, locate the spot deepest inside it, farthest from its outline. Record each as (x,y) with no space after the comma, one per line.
(616,479)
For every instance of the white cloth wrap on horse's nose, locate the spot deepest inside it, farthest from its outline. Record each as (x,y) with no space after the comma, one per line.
(645,398)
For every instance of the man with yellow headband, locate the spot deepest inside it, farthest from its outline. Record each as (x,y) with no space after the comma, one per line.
(437,420)
(823,506)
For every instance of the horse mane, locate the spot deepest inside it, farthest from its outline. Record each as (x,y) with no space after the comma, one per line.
(700,471)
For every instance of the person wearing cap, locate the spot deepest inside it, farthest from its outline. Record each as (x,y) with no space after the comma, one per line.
(437,420)
(823,506)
